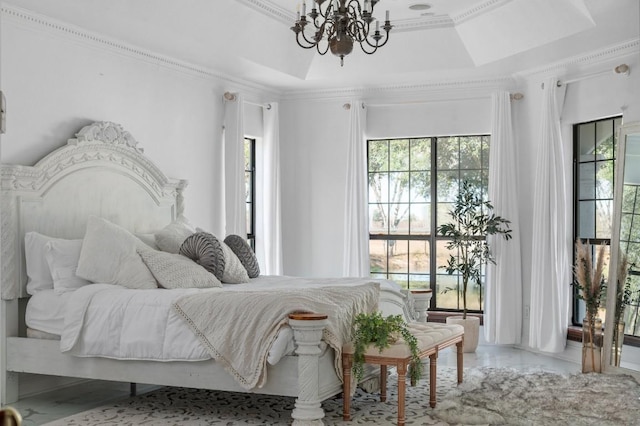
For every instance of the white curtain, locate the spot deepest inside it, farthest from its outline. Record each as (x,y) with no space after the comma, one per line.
(235,201)
(503,288)
(551,274)
(268,217)
(356,230)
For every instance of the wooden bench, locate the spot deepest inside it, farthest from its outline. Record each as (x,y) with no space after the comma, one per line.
(432,337)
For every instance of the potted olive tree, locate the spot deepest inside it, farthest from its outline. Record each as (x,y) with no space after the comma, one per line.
(472,221)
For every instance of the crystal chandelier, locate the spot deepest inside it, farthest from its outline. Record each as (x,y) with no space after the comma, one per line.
(338,24)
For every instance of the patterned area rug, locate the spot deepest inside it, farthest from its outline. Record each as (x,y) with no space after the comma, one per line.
(488,396)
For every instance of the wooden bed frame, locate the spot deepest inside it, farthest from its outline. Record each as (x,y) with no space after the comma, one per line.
(103,172)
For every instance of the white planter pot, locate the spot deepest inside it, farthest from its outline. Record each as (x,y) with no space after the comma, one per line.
(471,327)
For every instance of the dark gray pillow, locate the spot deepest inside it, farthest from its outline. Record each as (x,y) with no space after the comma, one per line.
(247,257)
(205,249)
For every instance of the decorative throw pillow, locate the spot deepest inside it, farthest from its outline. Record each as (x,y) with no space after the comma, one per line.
(244,252)
(176,271)
(62,257)
(109,256)
(148,239)
(38,272)
(216,257)
(171,237)
(205,249)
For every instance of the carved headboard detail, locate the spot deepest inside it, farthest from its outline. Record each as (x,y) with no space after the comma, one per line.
(102,171)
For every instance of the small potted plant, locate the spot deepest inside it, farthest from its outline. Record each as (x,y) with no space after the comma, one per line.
(472,221)
(375,330)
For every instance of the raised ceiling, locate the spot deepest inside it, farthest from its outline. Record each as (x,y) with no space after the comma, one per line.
(451,40)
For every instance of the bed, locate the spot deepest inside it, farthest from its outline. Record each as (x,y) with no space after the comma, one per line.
(102,172)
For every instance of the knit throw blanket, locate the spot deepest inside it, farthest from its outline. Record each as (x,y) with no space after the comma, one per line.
(238,327)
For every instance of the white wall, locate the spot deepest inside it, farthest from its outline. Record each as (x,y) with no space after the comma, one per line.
(314,150)
(55,85)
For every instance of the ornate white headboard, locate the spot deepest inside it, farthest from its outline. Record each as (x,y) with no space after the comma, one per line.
(102,172)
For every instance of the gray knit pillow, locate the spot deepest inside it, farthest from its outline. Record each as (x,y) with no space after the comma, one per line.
(244,252)
(205,249)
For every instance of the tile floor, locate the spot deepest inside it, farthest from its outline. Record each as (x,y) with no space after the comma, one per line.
(47,407)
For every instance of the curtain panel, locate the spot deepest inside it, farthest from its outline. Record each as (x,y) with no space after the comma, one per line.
(551,272)
(235,202)
(356,228)
(269,215)
(503,287)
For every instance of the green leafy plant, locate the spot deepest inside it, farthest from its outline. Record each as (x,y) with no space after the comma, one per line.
(375,329)
(472,222)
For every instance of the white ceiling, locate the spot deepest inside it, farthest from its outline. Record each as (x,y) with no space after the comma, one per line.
(453,40)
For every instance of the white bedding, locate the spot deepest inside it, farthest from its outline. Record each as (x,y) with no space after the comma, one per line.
(111,321)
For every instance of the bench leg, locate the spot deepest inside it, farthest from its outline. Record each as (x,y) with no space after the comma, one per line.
(346,387)
(383,383)
(402,384)
(433,359)
(460,363)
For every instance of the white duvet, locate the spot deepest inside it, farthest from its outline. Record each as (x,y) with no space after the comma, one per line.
(110,321)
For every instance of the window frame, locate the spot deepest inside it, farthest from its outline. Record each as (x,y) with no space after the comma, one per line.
(431,238)
(577,304)
(251,204)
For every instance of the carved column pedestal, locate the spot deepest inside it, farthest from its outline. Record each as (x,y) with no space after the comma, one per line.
(307,333)
(421,302)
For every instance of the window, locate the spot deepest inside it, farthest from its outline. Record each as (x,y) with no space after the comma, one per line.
(250,185)
(412,183)
(594,150)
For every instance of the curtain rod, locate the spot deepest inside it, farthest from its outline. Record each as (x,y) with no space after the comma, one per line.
(228,96)
(513,96)
(620,69)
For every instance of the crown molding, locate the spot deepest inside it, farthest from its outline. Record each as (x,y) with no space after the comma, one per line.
(38,22)
(591,59)
(287,17)
(479,9)
(436,90)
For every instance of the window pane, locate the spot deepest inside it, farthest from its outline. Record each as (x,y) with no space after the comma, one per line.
(400,279)
(249,222)
(586,218)
(587,184)
(604,139)
(378,215)
(378,256)
(474,177)
(448,153)
(447,185)
(420,187)
(378,156)
(379,187)
(399,220)
(470,152)
(398,252)
(586,142)
(420,219)
(625,227)
(604,214)
(485,152)
(420,154)
(419,281)
(399,187)
(399,155)
(604,179)
(419,257)
(443,213)
(247,187)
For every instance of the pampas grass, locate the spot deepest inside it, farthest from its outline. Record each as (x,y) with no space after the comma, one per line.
(590,284)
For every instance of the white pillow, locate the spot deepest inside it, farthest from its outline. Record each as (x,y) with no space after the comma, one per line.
(148,239)
(38,272)
(109,256)
(171,237)
(62,257)
(177,271)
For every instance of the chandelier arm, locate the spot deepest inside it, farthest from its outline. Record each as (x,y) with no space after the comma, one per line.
(326,49)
